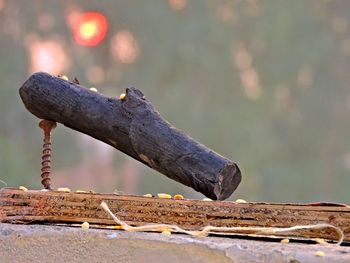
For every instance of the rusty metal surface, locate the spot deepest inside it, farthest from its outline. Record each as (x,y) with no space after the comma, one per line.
(47,127)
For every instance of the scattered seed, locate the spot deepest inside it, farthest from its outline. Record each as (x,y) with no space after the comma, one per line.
(207,199)
(162,195)
(63,77)
(93,89)
(321,241)
(285,241)
(240,201)
(112,235)
(178,197)
(319,254)
(118,192)
(23,188)
(63,189)
(81,191)
(44,190)
(166,232)
(85,225)
(122,96)
(148,195)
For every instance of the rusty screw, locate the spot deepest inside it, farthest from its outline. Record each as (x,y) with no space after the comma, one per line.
(47,126)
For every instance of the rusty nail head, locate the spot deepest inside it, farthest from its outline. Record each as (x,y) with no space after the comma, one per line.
(47,126)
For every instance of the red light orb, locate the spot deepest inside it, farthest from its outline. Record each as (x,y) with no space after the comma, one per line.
(90,29)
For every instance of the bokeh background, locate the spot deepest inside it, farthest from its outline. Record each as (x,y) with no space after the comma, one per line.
(264,83)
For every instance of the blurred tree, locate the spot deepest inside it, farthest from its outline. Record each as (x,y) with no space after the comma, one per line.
(263,83)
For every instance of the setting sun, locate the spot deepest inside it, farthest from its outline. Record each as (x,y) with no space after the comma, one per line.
(90,29)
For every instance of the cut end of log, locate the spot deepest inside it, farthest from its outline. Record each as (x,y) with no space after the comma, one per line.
(229,179)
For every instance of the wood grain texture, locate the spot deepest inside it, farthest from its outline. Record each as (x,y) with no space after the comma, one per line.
(19,206)
(133,126)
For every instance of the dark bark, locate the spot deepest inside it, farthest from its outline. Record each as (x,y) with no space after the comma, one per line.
(133,126)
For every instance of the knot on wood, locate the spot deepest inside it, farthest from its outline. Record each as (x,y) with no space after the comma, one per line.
(135,104)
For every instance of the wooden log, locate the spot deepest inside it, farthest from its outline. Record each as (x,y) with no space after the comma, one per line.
(133,126)
(19,206)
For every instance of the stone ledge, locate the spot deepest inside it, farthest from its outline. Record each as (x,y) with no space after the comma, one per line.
(39,243)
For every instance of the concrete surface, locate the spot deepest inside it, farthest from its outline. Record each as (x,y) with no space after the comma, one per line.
(38,243)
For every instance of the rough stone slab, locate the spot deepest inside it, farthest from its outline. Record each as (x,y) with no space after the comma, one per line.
(38,243)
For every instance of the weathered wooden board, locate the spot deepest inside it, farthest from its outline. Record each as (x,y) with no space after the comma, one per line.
(19,206)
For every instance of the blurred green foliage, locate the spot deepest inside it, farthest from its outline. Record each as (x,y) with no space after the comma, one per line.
(263,83)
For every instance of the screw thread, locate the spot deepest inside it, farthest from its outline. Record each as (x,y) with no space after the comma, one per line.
(46,163)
